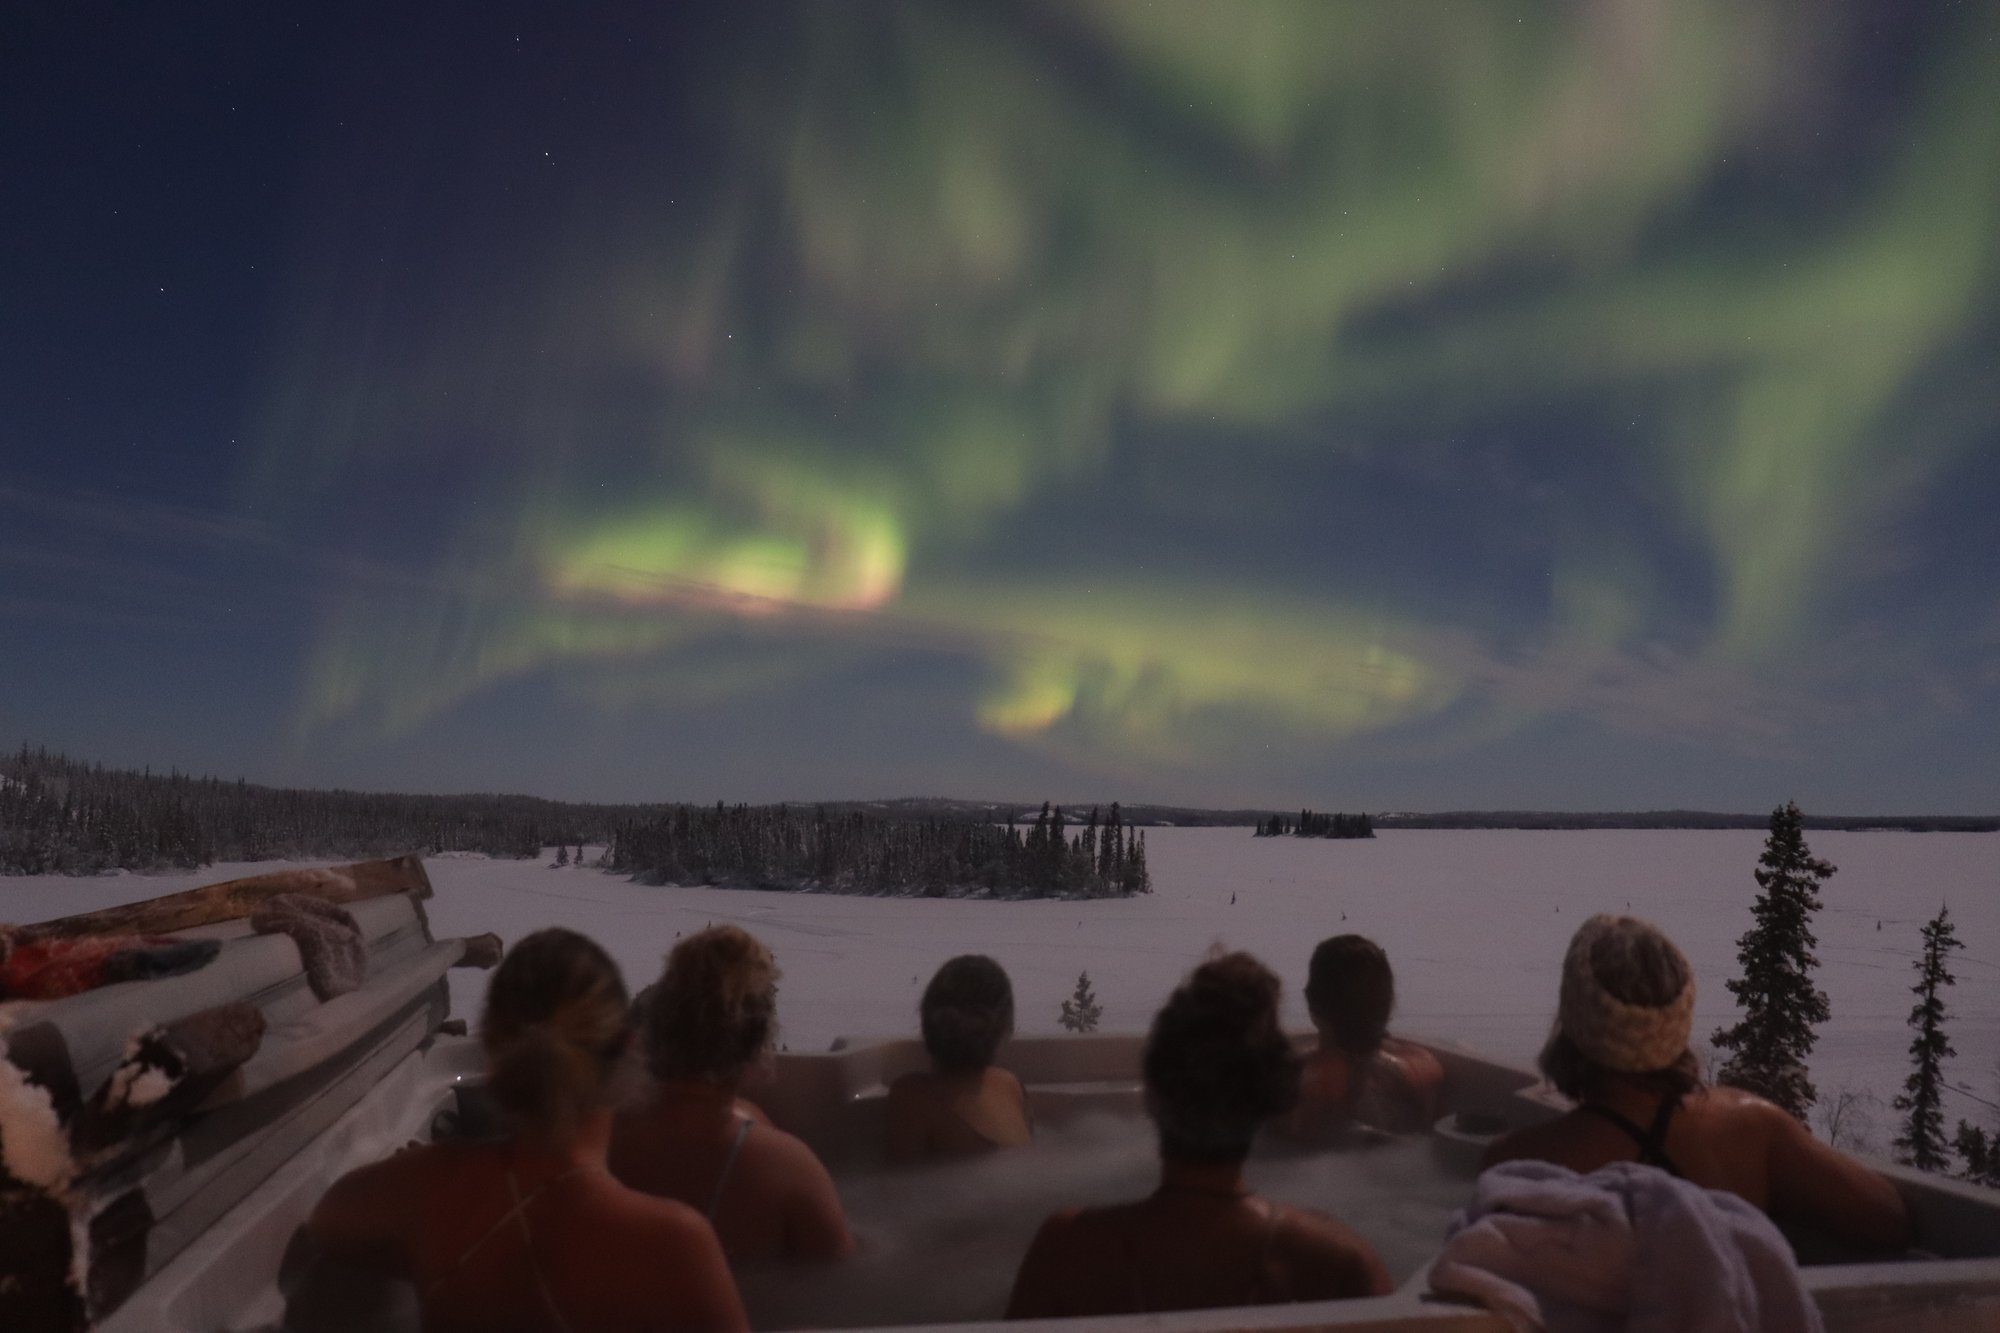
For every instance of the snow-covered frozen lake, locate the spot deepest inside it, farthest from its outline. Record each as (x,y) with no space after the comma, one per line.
(1475,922)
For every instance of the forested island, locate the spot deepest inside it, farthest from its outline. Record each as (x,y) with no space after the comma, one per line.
(791,848)
(1312,824)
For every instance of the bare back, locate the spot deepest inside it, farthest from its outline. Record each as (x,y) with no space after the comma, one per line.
(766,1193)
(933,1114)
(1394,1090)
(1727,1139)
(494,1244)
(1188,1253)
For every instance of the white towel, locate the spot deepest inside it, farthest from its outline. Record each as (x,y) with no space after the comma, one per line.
(1627,1248)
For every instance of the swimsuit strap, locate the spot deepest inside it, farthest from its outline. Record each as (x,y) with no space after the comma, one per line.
(1652,1140)
(728,1164)
(520,1215)
(517,1214)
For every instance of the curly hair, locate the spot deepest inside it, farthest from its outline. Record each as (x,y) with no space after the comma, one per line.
(554,1027)
(1217,1063)
(714,1009)
(1350,992)
(967,1011)
(1634,963)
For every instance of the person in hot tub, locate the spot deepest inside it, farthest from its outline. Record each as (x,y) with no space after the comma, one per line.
(1217,1064)
(963,1105)
(1359,1074)
(710,1017)
(1620,1051)
(531,1232)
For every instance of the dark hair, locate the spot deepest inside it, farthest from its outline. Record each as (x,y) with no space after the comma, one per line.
(967,1011)
(1635,963)
(1217,1063)
(715,1008)
(1350,992)
(554,1026)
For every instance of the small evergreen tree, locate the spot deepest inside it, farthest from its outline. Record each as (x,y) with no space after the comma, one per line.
(1980,1152)
(562,853)
(1922,1142)
(1781,1006)
(1081,1011)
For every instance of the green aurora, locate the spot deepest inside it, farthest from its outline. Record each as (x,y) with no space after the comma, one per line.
(1221,388)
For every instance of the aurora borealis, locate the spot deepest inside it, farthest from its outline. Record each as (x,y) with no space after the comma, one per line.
(1441,404)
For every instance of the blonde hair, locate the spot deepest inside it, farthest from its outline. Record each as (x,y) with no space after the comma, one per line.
(554,1027)
(715,1008)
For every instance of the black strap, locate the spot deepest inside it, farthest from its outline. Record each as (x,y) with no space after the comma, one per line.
(1652,1140)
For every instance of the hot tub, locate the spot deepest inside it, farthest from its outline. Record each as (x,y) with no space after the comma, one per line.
(941,1242)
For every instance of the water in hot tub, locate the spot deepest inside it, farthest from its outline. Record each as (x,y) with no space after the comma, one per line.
(941,1243)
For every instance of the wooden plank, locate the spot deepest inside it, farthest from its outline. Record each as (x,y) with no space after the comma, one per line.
(241,897)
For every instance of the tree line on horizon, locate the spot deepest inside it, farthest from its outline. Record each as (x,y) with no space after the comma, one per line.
(1312,824)
(61,816)
(1675,819)
(792,848)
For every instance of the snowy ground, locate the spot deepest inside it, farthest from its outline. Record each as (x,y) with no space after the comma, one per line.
(1475,922)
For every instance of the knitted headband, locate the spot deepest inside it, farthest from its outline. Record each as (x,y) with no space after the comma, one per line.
(1629,1038)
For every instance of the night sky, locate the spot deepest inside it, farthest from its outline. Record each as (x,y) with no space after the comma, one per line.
(1426,405)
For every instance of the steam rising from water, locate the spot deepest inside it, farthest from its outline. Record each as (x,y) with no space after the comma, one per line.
(942,1243)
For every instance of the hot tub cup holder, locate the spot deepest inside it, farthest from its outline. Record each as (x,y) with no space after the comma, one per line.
(1459,1140)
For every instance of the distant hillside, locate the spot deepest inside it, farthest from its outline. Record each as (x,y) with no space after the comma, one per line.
(60,816)
(938,807)
(1678,819)
(1024,812)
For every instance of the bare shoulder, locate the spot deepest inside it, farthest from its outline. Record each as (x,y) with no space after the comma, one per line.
(1008,1086)
(1734,1101)
(1745,1113)
(1329,1257)
(662,1219)
(1054,1269)
(416,1169)
(1069,1236)
(787,1148)
(1065,1225)
(1419,1063)
(371,1213)
(630,1247)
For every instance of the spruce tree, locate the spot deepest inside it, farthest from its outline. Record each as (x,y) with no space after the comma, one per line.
(1922,1142)
(1081,1011)
(1981,1153)
(1781,1006)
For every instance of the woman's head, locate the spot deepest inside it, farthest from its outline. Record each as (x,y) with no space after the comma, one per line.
(1350,992)
(554,1027)
(1217,1063)
(1626,1009)
(967,1011)
(715,1008)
